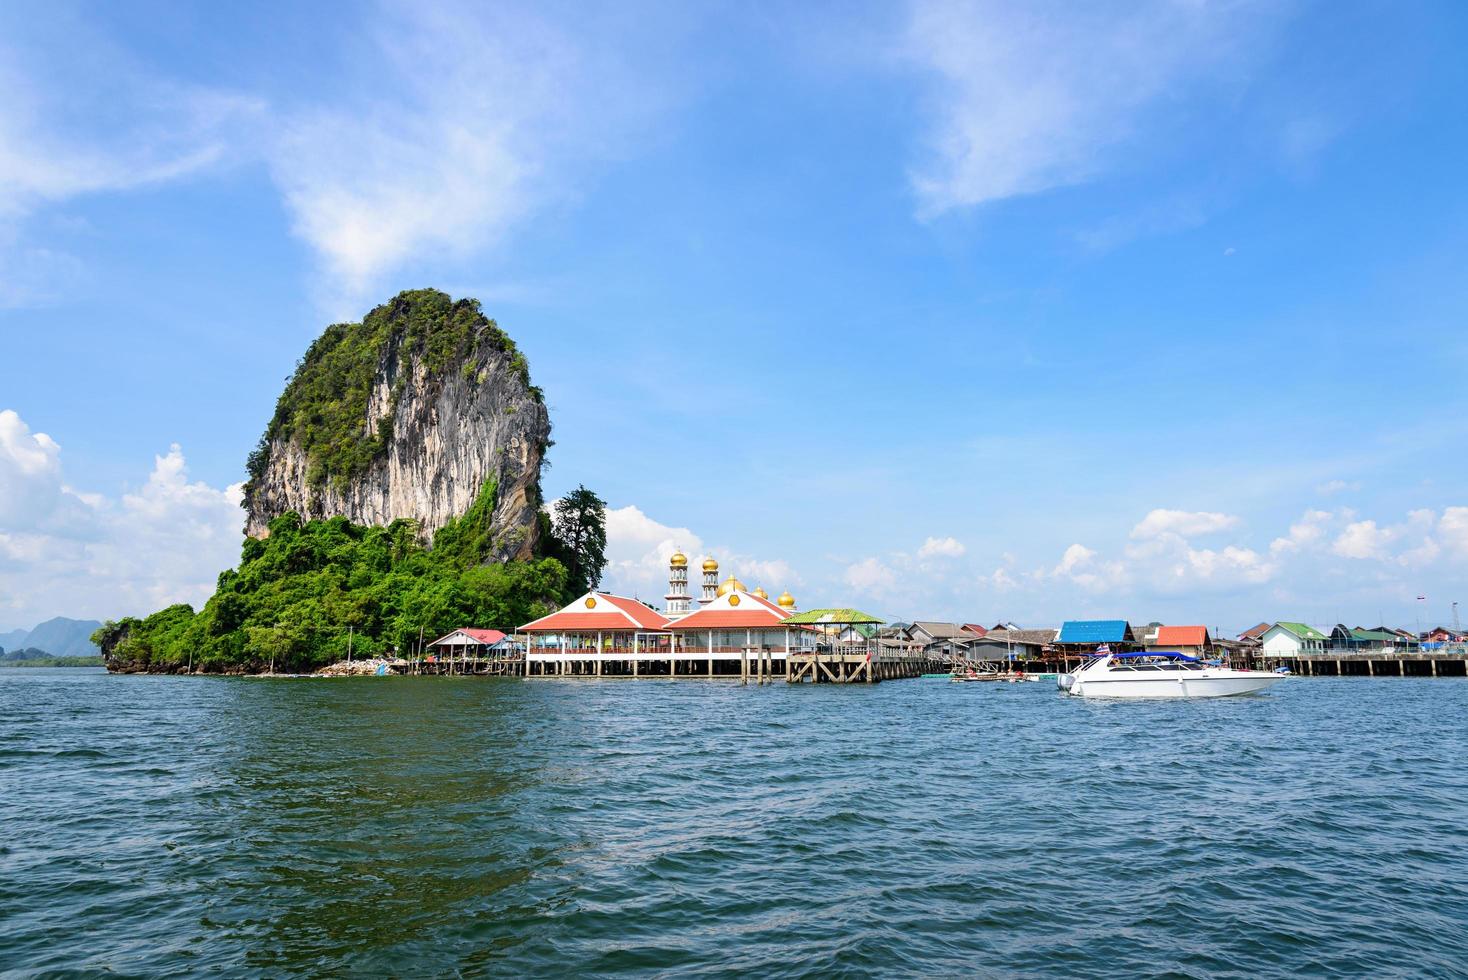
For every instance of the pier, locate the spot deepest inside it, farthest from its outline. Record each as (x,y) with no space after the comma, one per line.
(1379,664)
(844,664)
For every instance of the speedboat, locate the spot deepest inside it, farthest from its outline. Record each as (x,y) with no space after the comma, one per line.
(1160,674)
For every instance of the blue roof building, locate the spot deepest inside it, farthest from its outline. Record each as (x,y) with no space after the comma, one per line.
(1095,631)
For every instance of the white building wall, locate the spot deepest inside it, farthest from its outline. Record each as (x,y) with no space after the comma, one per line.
(1281,643)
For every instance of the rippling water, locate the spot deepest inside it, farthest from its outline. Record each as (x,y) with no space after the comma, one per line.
(155,825)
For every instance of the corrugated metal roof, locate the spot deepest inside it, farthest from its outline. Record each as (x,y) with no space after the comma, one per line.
(839,617)
(1302,631)
(1095,631)
(937,630)
(1182,636)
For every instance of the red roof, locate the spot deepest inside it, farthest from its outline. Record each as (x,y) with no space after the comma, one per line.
(486,637)
(974,628)
(599,611)
(1254,632)
(1182,636)
(752,612)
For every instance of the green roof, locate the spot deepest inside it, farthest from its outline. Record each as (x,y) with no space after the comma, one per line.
(1382,635)
(840,617)
(1302,631)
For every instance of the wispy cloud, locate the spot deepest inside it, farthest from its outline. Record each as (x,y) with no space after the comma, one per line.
(447,125)
(472,118)
(94,122)
(1031,96)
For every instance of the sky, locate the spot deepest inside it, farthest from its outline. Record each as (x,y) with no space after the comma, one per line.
(974,311)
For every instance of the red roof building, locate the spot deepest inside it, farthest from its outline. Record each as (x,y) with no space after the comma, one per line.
(599,622)
(736,622)
(1255,632)
(1184,639)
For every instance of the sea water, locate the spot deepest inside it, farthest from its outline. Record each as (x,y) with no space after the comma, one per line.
(429,826)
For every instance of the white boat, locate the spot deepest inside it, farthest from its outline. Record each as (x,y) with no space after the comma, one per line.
(1160,674)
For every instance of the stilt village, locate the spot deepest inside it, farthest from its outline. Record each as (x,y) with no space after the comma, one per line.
(733,632)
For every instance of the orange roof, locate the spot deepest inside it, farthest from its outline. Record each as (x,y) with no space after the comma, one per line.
(599,611)
(1182,636)
(750,612)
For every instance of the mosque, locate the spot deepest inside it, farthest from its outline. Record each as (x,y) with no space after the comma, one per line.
(678,603)
(730,630)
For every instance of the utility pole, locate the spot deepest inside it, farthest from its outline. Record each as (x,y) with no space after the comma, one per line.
(349,644)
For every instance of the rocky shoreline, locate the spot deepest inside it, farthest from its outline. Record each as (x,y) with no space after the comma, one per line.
(342,668)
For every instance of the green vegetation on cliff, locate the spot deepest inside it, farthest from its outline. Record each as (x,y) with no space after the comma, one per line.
(324,406)
(300,593)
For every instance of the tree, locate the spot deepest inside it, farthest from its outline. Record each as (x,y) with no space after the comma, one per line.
(580,533)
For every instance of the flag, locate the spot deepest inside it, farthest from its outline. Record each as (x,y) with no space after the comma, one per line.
(1104,650)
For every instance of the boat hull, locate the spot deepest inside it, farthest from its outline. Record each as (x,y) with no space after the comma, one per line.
(1190,685)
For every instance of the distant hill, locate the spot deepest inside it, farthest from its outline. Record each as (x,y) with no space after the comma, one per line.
(59,637)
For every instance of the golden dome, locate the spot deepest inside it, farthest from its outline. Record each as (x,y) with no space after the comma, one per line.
(731,584)
(678,560)
(709,565)
(761,592)
(786,600)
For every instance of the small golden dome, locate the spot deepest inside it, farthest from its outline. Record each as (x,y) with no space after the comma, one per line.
(786,600)
(731,584)
(679,559)
(761,592)
(709,565)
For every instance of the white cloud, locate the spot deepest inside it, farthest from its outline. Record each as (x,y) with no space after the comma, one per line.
(1306,531)
(471,118)
(1039,95)
(871,577)
(89,122)
(1082,566)
(442,127)
(63,552)
(1452,527)
(638,549)
(1076,556)
(1330,487)
(941,548)
(1182,522)
(1363,539)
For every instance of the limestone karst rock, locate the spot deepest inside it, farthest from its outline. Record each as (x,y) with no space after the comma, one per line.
(411,413)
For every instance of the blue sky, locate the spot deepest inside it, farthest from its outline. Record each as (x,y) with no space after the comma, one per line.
(949,310)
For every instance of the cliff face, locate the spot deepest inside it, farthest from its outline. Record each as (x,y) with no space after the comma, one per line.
(409,414)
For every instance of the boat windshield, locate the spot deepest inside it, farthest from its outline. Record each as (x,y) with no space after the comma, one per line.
(1156,655)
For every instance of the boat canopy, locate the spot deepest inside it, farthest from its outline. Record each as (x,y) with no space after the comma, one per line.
(1166,654)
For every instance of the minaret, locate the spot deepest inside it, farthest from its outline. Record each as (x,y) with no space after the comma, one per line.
(679,602)
(710,582)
